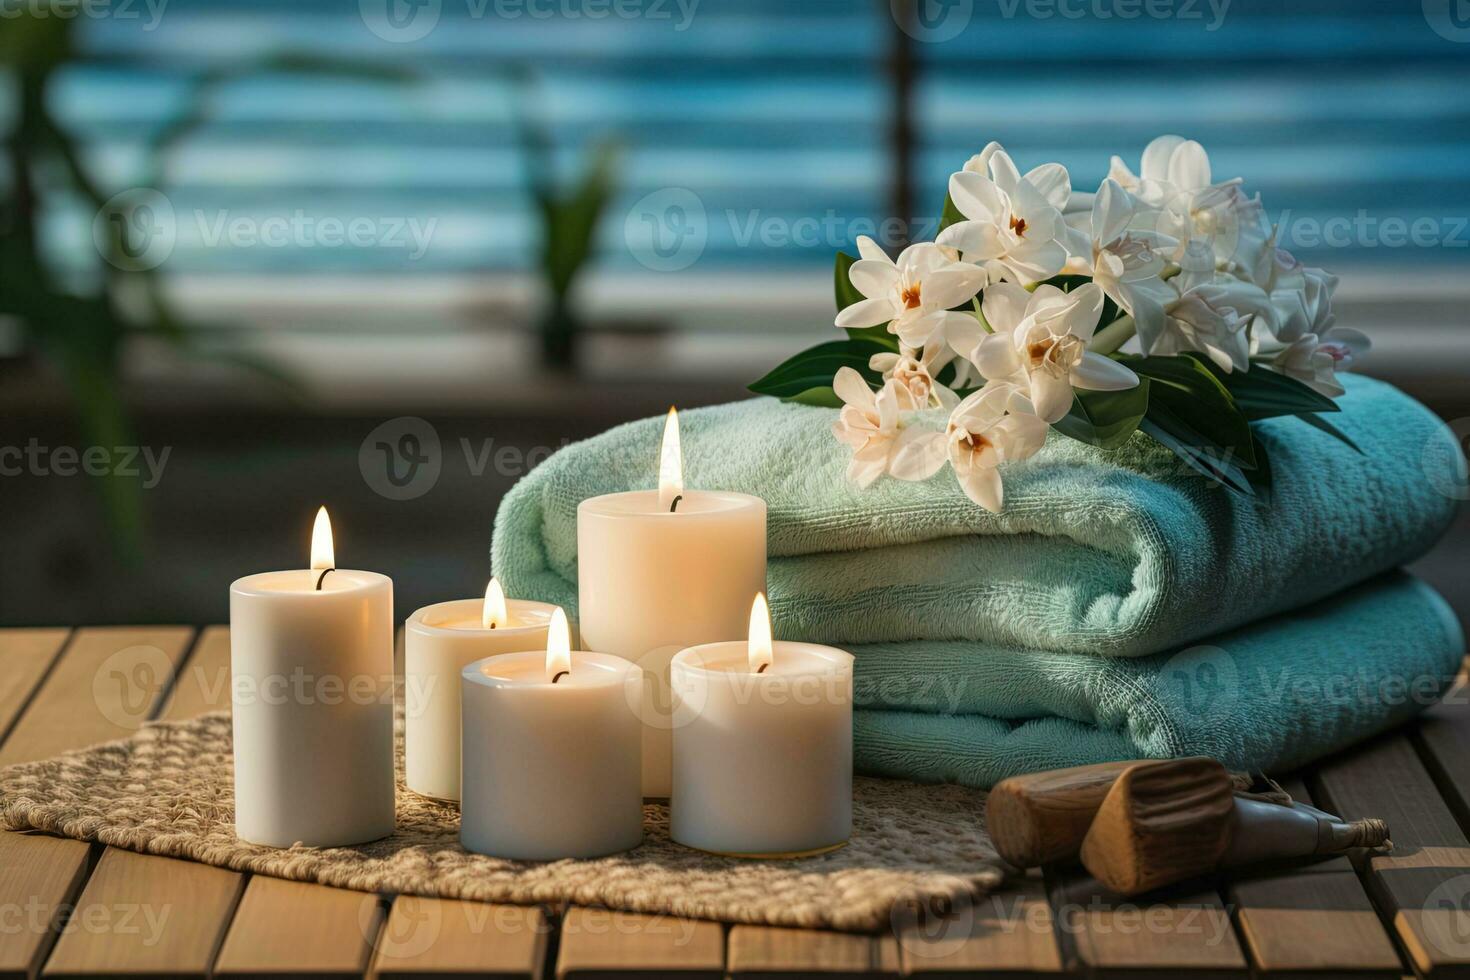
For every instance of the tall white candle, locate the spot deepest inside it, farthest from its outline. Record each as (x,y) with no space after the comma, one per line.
(311,653)
(439,641)
(762,746)
(551,753)
(661,570)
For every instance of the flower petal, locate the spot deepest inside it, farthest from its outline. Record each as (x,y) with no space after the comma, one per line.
(996,358)
(918,455)
(1004,306)
(874,278)
(852,389)
(1053,181)
(1051,395)
(982,484)
(954,284)
(977,197)
(871,250)
(1098,373)
(866,313)
(1189,166)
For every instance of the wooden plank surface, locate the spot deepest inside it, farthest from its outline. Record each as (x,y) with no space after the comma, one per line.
(147,915)
(203,683)
(1164,933)
(603,943)
(768,951)
(1009,933)
(294,928)
(431,937)
(1423,884)
(1313,921)
(25,656)
(105,685)
(39,879)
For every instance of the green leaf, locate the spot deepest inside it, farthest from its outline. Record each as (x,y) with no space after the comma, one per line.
(814,368)
(820,397)
(1262,393)
(951,215)
(1196,399)
(1105,418)
(1183,441)
(1318,422)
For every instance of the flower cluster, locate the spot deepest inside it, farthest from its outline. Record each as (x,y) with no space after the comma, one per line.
(1015,318)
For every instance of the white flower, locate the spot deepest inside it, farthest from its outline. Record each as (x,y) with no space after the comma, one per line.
(1040,345)
(1308,308)
(1014,223)
(1315,361)
(1209,315)
(991,426)
(873,424)
(915,373)
(1127,264)
(912,296)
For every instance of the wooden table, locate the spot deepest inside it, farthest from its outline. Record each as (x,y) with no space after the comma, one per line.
(70,909)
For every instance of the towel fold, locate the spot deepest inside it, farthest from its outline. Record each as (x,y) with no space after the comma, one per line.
(1274,695)
(1111,552)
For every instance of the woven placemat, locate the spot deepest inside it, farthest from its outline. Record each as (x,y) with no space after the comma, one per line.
(169,790)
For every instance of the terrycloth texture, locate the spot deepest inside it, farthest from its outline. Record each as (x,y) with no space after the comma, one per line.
(1114,552)
(169,790)
(1271,696)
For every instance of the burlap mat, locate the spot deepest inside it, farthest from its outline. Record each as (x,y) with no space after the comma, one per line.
(168,790)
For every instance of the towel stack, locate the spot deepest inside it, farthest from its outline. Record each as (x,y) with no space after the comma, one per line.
(1118,608)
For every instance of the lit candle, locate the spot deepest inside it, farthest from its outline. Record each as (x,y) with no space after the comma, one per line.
(439,642)
(661,570)
(762,745)
(551,752)
(311,653)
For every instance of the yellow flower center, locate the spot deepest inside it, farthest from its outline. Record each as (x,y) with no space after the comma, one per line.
(910,296)
(1018,225)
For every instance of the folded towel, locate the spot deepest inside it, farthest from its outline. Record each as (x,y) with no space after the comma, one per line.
(1272,696)
(1114,552)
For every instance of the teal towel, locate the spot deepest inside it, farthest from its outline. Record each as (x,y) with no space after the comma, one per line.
(1111,552)
(1273,696)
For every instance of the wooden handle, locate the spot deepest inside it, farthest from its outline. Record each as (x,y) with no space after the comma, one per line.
(1042,818)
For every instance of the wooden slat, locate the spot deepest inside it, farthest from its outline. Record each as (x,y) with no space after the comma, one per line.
(141,914)
(293,928)
(770,952)
(431,937)
(25,656)
(1424,882)
(203,683)
(40,878)
(1149,935)
(1313,921)
(105,685)
(601,943)
(1443,736)
(1009,933)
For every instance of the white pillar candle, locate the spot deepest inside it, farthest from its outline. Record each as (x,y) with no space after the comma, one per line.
(655,576)
(439,641)
(551,753)
(762,746)
(311,653)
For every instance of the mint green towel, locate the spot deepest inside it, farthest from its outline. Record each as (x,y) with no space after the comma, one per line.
(1115,552)
(1273,696)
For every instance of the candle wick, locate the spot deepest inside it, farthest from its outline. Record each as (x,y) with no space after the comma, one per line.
(323,576)
(559,675)
(675,505)
(762,668)
(493,625)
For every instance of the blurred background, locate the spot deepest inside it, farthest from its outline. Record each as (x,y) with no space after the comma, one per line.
(256,255)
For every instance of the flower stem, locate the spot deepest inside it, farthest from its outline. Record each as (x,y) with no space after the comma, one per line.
(1113,336)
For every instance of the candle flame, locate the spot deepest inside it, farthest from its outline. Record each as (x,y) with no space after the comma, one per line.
(558,646)
(670,464)
(758,647)
(322,555)
(494,613)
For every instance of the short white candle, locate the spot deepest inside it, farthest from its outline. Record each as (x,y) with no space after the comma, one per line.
(762,746)
(551,753)
(311,653)
(439,641)
(655,577)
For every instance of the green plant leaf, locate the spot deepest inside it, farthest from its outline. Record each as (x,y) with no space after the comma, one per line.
(819,397)
(951,215)
(1318,422)
(1105,418)
(1165,428)
(1262,393)
(1196,399)
(814,368)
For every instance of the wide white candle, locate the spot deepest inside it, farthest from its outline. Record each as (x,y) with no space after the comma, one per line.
(551,753)
(661,570)
(762,746)
(439,641)
(311,653)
